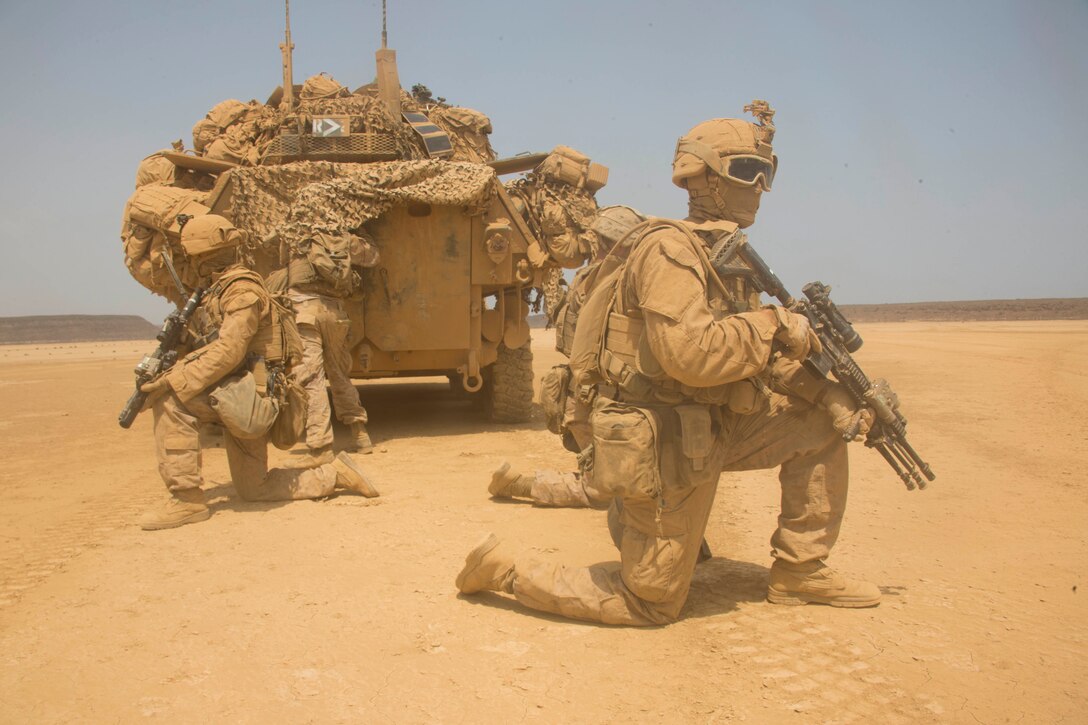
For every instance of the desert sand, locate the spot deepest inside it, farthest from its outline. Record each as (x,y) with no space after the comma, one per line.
(344,610)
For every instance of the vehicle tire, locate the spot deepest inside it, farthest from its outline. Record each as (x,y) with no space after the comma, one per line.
(508,385)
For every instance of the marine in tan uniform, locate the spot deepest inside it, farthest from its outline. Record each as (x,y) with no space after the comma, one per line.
(703,380)
(325,328)
(570,489)
(237,335)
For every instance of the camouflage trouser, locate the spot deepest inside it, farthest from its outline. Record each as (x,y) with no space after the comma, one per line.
(566,489)
(326,355)
(177,445)
(660,538)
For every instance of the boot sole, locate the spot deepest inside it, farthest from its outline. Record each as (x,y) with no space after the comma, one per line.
(474,559)
(796,599)
(193,518)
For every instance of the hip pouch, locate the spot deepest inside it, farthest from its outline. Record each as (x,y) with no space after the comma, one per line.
(625,453)
(245,413)
(554,388)
(290,425)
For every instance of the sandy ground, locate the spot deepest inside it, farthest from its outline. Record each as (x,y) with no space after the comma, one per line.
(345,611)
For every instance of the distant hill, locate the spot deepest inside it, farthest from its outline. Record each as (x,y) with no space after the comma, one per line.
(971,311)
(74,328)
(91,328)
(1075,308)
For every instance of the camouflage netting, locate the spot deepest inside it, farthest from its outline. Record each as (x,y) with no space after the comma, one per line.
(297,200)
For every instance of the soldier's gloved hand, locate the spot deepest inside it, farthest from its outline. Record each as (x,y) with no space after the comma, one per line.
(845,414)
(797,335)
(158,385)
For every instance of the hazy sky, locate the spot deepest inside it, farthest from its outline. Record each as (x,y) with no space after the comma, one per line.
(929,150)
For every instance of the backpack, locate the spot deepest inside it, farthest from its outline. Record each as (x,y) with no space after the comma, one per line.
(589,303)
(602,286)
(323,261)
(566,317)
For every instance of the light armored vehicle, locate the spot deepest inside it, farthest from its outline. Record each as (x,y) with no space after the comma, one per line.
(462,257)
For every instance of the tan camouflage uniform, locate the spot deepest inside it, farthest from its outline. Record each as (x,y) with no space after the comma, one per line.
(323,325)
(243,305)
(325,329)
(702,350)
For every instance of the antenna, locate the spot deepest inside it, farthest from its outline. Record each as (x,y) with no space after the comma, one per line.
(385,36)
(286,47)
(388,78)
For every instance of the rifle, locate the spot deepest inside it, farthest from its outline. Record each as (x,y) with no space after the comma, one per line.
(162,358)
(888,435)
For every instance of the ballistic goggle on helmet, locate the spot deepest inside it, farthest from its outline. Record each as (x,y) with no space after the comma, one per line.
(738,151)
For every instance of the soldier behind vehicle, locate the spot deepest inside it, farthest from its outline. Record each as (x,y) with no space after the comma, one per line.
(320,275)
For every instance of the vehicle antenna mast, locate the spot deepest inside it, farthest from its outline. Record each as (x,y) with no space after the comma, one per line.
(388,79)
(385,37)
(286,47)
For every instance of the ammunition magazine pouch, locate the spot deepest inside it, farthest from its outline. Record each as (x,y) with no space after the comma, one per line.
(627,362)
(625,450)
(696,433)
(245,412)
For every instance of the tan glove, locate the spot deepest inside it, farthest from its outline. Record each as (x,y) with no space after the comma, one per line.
(158,385)
(845,414)
(797,335)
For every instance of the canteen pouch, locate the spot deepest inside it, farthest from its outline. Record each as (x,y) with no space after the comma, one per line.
(245,413)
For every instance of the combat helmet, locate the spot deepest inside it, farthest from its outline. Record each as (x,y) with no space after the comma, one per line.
(613,223)
(210,233)
(737,151)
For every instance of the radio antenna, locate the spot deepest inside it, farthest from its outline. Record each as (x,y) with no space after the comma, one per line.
(286,47)
(385,36)
(388,79)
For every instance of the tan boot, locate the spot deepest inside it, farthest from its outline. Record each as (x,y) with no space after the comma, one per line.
(507,484)
(360,439)
(813,582)
(314,457)
(350,475)
(183,507)
(489,566)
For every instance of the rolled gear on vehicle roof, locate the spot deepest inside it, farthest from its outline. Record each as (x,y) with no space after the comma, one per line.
(573,168)
(150,229)
(468,130)
(322,86)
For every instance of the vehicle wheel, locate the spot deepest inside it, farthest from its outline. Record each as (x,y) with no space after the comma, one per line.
(508,385)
